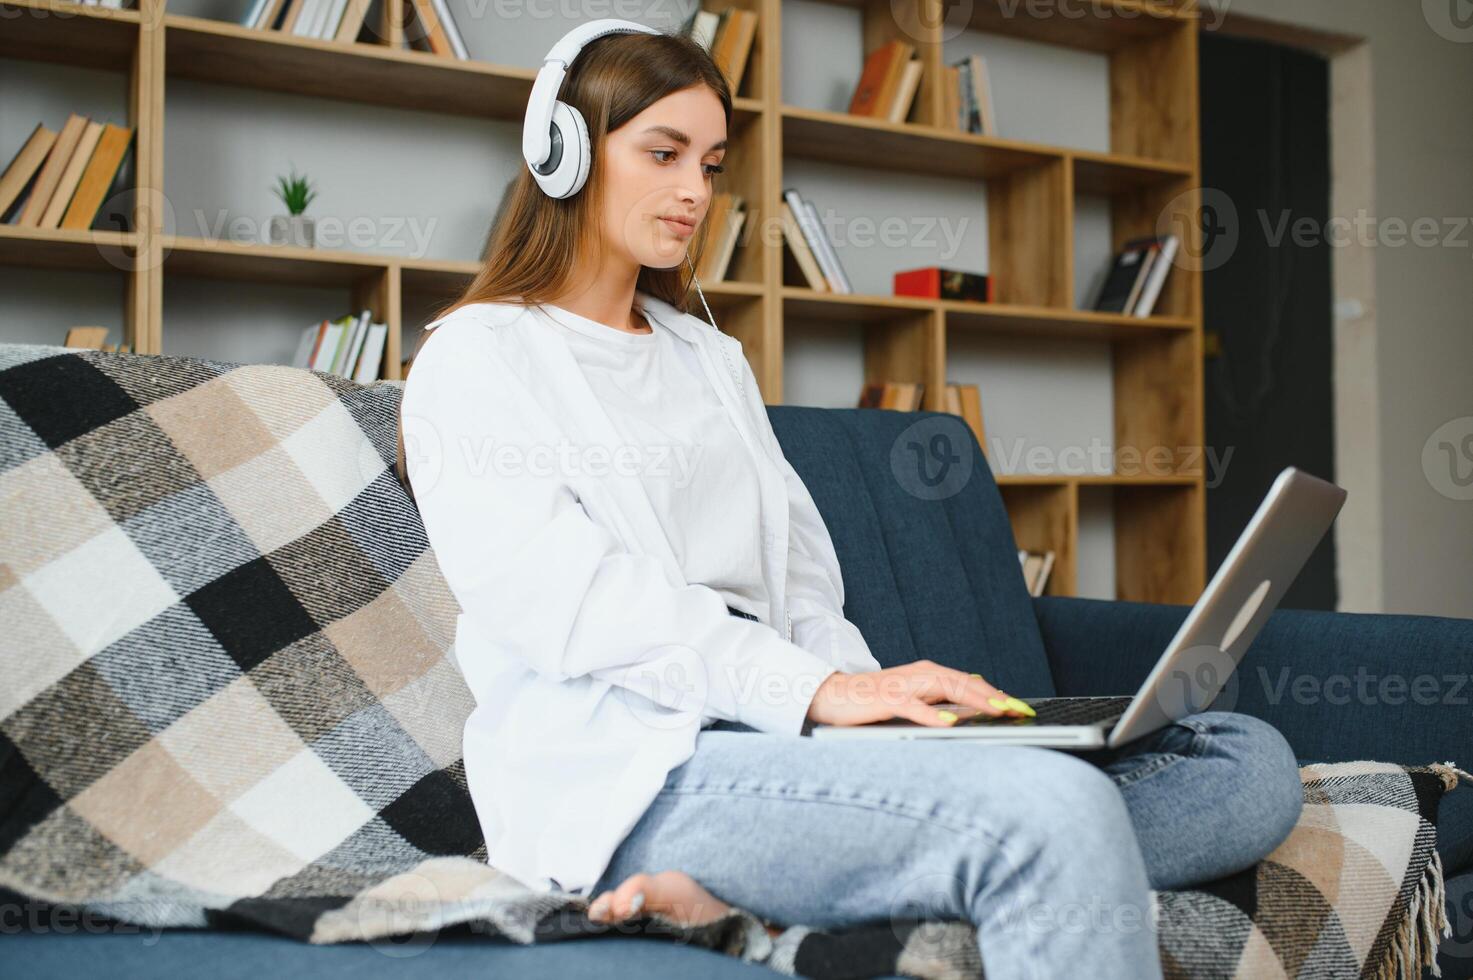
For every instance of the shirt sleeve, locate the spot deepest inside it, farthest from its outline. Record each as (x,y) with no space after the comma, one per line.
(550,586)
(815,584)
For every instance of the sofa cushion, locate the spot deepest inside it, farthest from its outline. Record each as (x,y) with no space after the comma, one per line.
(928,556)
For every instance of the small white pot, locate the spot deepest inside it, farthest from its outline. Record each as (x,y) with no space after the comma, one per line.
(291,229)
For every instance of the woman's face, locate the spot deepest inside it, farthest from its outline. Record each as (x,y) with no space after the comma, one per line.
(660,167)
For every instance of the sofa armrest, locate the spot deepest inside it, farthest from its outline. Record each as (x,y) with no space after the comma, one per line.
(1339,686)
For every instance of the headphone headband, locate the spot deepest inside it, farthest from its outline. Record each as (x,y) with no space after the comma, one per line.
(545,130)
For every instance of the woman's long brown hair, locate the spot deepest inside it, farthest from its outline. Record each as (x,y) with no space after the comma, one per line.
(529,257)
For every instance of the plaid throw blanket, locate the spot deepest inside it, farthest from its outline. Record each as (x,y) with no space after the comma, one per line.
(229,701)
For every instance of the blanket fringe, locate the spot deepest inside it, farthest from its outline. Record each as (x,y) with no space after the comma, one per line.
(1414,947)
(1450,773)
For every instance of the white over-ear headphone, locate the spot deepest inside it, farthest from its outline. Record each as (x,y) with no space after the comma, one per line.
(555,139)
(554,134)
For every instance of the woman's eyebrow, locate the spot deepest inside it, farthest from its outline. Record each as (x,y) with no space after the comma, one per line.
(680,137)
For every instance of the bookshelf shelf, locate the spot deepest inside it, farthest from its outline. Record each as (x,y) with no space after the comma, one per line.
(1109,173)
(1030,190)
(1101,25)
(64,248)
(218,51)
(803,303)
(250,262)
(68,33)
(838,137)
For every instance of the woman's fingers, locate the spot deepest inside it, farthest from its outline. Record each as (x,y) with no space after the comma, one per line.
(967,690)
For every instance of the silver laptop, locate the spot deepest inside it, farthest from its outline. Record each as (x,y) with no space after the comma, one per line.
(1198,661)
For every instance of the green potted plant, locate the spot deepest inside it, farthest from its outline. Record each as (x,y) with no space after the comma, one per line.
(293,228)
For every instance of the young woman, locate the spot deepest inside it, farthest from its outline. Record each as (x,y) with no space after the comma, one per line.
(646,642)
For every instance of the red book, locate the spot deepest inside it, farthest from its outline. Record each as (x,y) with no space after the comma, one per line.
(934,282)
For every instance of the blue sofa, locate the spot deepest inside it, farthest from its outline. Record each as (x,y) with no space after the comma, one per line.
(930,571)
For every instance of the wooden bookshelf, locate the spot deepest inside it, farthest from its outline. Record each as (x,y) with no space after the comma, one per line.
(1030,189)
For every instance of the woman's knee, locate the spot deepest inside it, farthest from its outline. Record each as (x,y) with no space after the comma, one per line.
(1267,767)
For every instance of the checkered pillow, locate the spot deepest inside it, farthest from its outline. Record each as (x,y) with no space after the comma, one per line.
(225,653)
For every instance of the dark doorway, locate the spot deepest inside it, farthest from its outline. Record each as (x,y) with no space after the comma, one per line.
(1268,296)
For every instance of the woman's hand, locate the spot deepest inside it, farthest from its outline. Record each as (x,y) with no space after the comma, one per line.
(909,692)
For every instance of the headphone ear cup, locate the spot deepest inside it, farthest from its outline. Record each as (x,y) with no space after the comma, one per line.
(571,150)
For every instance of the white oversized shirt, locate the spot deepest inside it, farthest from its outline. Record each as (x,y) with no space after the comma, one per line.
(691,459)
(593,661)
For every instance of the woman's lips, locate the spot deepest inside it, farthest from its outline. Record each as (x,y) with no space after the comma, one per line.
(679,227)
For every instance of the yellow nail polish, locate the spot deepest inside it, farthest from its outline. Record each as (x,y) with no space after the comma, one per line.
(978,676)
(1022,706)
(946,716)
(997,703)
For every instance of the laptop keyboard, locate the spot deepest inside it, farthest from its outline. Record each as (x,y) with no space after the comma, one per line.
(1060,711)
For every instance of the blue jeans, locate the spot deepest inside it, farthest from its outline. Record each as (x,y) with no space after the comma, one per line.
(1050,854)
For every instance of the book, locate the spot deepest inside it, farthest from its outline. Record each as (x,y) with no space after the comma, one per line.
(974,96)
(818,244)
(307,346)
(880,79)
(52,170)
(726,218)
(1156,276)
(372,355)
(20,173)
(827,251)
(905,95)
(933,282)
(733,44)
(1120,288)
(701,25)
(1036,568)
(452,31)
(798,248)
(968,404)
(901,396)
(352,22)
(102,177)
(332,16)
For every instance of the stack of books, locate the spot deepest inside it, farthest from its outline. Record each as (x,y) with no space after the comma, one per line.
(1036,568)
(728,36)
(726,216)
(905,396)
(899,396)
(93,338)
(60,180)
(817,263)
(351,346)
(968,97)
(1137,275)
(887,85)
(424,25)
